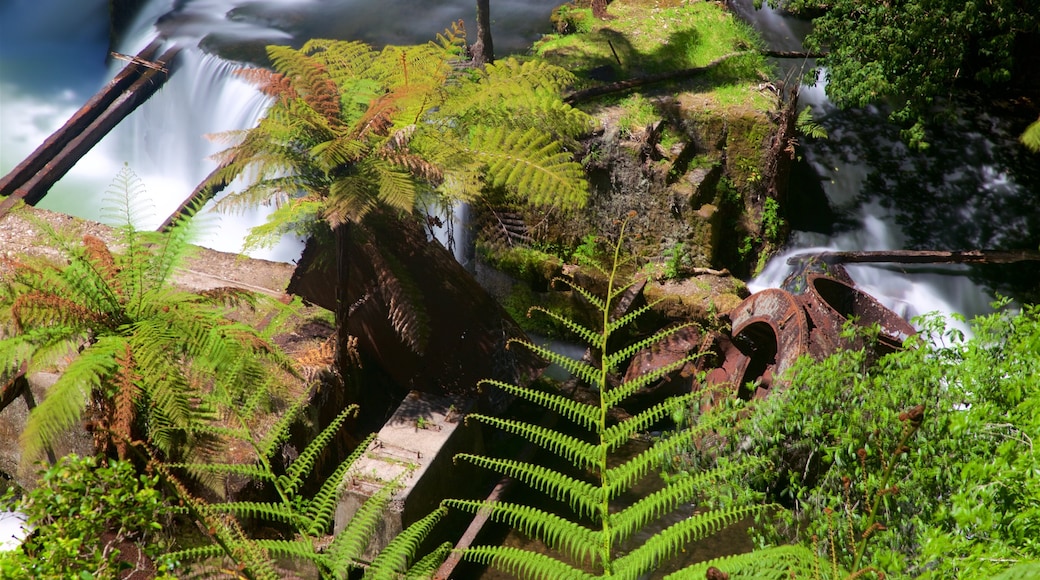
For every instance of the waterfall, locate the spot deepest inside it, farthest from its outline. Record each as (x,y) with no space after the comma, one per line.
(887,197)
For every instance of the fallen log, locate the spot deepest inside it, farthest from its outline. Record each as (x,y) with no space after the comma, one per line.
(921,256)
(84,116)
(51,161)
(203,192)
(628,84)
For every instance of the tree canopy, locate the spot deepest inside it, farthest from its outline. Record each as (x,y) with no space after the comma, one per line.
(912,53)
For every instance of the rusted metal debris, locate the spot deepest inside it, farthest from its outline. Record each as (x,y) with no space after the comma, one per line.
(771,329)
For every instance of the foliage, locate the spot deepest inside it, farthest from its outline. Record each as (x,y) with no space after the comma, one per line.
(646,38)
(1031,137)
(598,538)
(913,53)
(963,500)
(350,128)
(772,223)
(306,521)
(807,125)
(141,359)
(84,516)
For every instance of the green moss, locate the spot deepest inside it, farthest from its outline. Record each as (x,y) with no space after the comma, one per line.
(528,265)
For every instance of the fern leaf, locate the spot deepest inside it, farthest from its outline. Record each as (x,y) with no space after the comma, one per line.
(578,542)
(809,126)
(617,435)
(393,560)
(581,496)
(774,563)
(524,564)
(430,563)
(621,392)
(596,301)
(621,478)
(656,338)
(666,543)
(350,543)
(293,478)
(300,550)
(581,413)
(532,164)
(272,512)
(576,367)
(579,453)
(586,334)
(684,490)
(67,398)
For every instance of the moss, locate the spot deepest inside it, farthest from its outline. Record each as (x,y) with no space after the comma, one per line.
(533,267)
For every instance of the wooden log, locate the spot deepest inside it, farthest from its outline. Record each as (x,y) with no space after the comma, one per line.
(203,192)
(922,256)
(81,134)
(629,84)
(80,120)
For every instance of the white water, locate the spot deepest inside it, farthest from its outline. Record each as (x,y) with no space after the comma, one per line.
(52,59)
(845,178)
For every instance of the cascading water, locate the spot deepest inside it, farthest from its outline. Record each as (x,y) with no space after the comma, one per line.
(53,59)
(959,194)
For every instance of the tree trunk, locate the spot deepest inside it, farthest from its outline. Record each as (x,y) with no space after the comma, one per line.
(341,233)
(483,50)
(599,9)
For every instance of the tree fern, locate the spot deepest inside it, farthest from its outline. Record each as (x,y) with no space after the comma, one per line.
(595,539)
(160,361)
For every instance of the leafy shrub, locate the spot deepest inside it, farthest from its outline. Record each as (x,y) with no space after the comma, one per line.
(964,501)
(89,520)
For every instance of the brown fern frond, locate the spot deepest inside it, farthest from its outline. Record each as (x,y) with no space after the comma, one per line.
(313,362)
(44,308)
(99,254)
(378,118)
(310,79)
(416,165)
(124,403)
(230,296)
(268,82)
(401,298)
(505,228)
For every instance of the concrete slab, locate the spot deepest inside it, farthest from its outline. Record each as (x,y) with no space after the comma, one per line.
(416,448)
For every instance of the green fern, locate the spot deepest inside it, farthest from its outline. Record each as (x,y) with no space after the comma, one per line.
(596,539)
(162,363)
(309,519)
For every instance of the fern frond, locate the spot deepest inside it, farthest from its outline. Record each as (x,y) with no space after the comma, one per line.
(430,563)
(621,392)
(576,367)
(531,163)
(581,496)
(524,564)
(667,543)
(299,549)
(67,398)
(205,470)
(320,509)
(587,335)
(620,433)
(350,543)
(621,478)
(579,453)
(809,126)
(578,542)
(596,301)
(581,413)
(301,467)
(614,358)
(684,490)
(310,80)
(774,563)
(393,560)
(267,511)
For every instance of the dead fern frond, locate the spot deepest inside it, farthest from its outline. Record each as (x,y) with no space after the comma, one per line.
(124,408)
(270,83)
